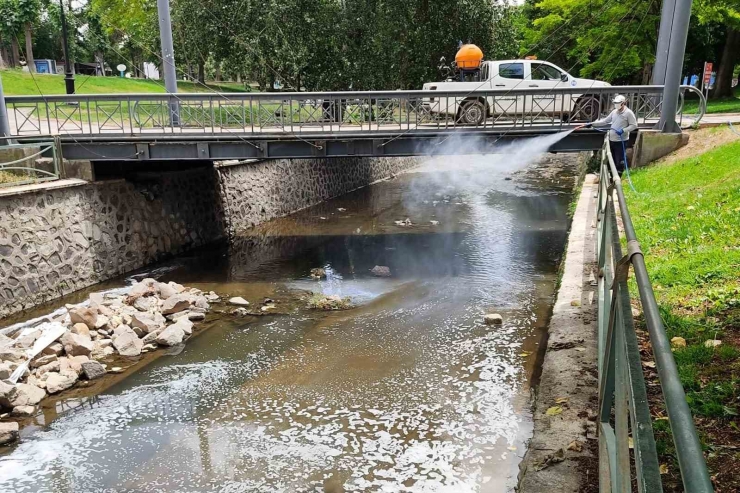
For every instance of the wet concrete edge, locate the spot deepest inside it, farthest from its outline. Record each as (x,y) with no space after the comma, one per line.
(564,440)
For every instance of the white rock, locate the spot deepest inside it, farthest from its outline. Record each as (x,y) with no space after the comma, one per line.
(185,325)
(43,360)
(175,304)
(27,395)
(127,343)
(80,328)
(53,366)
(150,337)
(101,322)
(85,315)
(7,394)
(712,343)
(8,432)
(196,316)
(56,382)
(171,336)
(166,291)
(76,344)
(381,271)
(493,319)
(23,411)
(54,348)
(239,301)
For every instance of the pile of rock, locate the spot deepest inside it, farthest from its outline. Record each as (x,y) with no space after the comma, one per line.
(148,315)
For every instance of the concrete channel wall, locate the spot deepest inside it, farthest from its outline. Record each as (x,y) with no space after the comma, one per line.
(63,236)
(256,192)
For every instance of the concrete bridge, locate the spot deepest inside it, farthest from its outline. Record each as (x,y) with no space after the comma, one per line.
(221,126)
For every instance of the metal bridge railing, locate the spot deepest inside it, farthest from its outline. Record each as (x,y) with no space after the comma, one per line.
(624,415)
(28,163)
(367,112)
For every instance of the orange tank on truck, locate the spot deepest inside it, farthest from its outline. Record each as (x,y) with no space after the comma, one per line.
(468,57)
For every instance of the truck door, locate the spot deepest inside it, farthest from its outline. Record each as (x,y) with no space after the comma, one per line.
(509,77)
(546,76)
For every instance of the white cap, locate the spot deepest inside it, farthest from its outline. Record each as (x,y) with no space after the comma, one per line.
(619,99)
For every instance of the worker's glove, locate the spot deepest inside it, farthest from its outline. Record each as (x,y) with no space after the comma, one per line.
(619,131)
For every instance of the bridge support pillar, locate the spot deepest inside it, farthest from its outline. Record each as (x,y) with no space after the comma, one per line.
(677,47)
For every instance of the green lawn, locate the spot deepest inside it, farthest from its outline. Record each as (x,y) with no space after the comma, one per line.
(724,105)
(687,218)
(16,82)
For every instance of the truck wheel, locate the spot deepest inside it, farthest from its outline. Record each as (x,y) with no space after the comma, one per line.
(586,110)
(472,113)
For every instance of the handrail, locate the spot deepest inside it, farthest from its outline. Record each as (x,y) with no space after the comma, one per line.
(43,148)
(270,96)
(328,113)
(621,382)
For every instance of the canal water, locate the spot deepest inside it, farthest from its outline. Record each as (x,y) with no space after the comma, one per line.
(407,391)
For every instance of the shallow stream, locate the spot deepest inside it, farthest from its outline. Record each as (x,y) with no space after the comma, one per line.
(408,391)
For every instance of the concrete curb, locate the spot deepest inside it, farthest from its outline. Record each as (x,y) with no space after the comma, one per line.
(560,443)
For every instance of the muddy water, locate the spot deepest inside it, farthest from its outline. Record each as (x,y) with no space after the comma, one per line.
(408,391)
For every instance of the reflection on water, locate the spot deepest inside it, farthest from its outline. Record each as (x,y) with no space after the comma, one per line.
(407,392)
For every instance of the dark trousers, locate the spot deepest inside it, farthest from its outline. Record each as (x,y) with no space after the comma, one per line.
(618,154)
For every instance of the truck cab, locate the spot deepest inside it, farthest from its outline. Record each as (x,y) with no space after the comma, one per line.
(508,76)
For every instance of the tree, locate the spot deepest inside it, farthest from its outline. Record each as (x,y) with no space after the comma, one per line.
(27,14)
(613,41)
(132,28)
(725,12)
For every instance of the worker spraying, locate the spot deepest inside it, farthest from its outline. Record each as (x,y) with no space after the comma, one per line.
(621,121)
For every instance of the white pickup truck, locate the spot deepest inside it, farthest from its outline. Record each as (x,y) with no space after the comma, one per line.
(515,74)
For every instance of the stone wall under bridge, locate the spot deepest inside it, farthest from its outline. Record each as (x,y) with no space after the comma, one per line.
(63,236)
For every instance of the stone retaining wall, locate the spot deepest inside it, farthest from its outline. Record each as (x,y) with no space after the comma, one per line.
(57,240)
(260,191)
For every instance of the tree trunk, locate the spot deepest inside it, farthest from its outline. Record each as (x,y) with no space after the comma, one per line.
(100,61)
(29,48)
(723,81)
(218,72)
(647,73)
(3,54)
(202,72)
(16,53)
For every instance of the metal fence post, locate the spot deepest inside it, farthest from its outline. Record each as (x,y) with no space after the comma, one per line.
(4,122)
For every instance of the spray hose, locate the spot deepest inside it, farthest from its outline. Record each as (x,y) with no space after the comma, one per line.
(624,155)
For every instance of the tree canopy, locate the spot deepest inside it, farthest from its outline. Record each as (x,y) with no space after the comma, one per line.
(370,44)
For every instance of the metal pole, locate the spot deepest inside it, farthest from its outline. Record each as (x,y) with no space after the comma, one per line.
(69,78)
(664,40)
(677,47)
(4,123)
(168,56)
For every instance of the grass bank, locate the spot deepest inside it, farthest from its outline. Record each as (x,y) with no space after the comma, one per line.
(723,105)
(17,83)
(687,218)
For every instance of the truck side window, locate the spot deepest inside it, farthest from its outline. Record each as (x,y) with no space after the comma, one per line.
(484,72)
(541,71)
(511,70)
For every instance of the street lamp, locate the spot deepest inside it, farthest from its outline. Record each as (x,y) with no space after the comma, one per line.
(69,78)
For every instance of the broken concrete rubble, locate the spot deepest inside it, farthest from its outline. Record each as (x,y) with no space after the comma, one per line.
(50,357)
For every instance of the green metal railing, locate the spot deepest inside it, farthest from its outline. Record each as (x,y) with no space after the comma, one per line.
(24,168)
(625,423)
